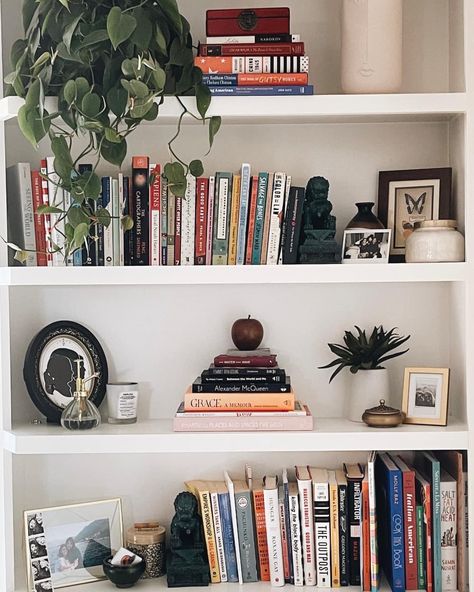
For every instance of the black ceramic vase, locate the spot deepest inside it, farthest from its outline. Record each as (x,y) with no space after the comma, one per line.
(365,218)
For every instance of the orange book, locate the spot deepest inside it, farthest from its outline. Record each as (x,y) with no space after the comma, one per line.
(365,536)
(209,402)
(251,223)
(234,221)
(262,547)
(299,79)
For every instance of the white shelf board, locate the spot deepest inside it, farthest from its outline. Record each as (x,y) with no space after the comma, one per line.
(230,274)
(157,436)
(304,109)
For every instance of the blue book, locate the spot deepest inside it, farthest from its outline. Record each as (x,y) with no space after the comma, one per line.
(259,218)
(389,487)
(227,533)
(262,91)
(430,467)
(245,179)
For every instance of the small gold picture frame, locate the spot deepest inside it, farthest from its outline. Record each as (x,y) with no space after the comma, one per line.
(425,396)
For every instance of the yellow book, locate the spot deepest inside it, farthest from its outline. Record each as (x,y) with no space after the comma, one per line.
(334,522)
(234,221)
(201,490)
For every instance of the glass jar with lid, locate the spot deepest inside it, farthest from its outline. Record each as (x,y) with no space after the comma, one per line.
(147,539)
(435,241)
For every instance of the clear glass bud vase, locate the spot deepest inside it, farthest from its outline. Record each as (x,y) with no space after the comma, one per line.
(80,414)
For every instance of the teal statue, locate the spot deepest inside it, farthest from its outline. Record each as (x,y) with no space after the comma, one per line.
(318,243)
(187,563)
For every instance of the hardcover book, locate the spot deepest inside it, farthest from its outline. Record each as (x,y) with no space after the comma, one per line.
(261,532)
(236,371)
(286,503)
(117,231)
(246,528)
(296,79)
(56,198)
(234,220)
(267,217)
(259,218)
(253,64)
(272,523)
(334,522)
(164,221)
(108,239)
(283,533)
(295,534)
(262,38)
(277,208)
(202,189)
(365,536)
(251,220)
(420,547)
(39,221)
(21,222)
(155,224)
(233,512)
(373,530)
(178,210)
(47,217)
(222,218)
(141,209)
(305,489)
(299,410)
(292,224)
(253,361)
(261,91)
(188,221)
(423,498)
(239,401)
(448,532)
(227,533)
(322,533)
(354,475)
(200,386)
(261,49)
(243,215)
(343,510)
(210,219)
(218,531)
(172,199)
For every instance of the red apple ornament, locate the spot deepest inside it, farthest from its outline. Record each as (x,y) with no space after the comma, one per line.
(247,334)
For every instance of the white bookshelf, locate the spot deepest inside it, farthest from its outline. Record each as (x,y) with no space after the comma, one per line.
(162,326)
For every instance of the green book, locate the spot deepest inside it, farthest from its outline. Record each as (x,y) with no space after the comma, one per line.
(421,553)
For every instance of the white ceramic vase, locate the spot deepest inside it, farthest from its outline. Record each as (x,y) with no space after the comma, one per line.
(366,389)
(371,50)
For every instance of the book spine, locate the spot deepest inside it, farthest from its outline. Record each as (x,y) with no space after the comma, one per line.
(322,535)
(282,220)
(257,361)
(210,220)
(216,515)
(202,190)
(140,198)
(365,538)
(236,402)
(278,201)
(99,231)
(255,79)
(228,537)
(116,225)
(155,223)
(343,535)
(244,424)
(178,212)
(272,523)
(108,230)
(243,215)
(259,218)
(260,38)
(428,538)
(436,523)
(89,250)
(267,218)
(127,235)
(411,570)
(164,221)
(283,535)
(209,536)
(245,387)
(253,64)
(354,488)
(261,532)
(262,91)
(251,220)
(374,552)
(67,205)
(21,222)
(421,551)
(172,199)
(234,221)
(286,496)
(56,198)
(245,525)
(448,536)
(221,219)
(122,212)
(46,217)
(235,49)
(395,509)
(270,373)
(464,551)
(39,221)
(293,218)
(334,523)
(198,414)
(295,539)
(188,222)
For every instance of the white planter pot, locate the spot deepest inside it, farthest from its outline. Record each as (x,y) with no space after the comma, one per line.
(366,389)
(371,50)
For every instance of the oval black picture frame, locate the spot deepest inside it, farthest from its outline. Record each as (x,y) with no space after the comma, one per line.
(31,372)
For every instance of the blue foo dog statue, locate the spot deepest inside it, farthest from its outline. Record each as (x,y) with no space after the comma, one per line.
(187,563)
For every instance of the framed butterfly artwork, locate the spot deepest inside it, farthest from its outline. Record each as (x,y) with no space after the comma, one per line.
(410,196)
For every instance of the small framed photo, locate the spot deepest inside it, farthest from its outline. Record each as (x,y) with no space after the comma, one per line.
(366,246)
(410,196)
(66,545)
(425,396)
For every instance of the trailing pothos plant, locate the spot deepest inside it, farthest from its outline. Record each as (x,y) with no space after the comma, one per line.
(109,63)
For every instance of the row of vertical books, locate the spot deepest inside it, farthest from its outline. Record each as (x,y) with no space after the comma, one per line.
(224,219)
(406,517)
(253,53)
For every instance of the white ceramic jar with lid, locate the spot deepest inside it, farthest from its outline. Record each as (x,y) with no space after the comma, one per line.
(435,241)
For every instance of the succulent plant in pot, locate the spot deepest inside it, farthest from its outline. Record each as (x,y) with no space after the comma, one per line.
(365,356)
(109,64)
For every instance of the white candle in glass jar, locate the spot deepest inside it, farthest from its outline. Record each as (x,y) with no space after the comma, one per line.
(122,402)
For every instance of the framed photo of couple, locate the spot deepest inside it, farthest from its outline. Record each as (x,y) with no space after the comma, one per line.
(425,396)
(66,545)
(410,196)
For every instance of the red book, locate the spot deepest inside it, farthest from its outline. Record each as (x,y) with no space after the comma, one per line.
(241,361)
(423,497)
(251,221)
(40,228)
(177,230)
(261,531)
(249,49)
(155,223)
(46,217)
(200,241)
(254,21)
(409,523)
(365,536)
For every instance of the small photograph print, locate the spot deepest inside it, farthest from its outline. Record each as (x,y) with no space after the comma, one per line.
(37,546)
(425,396)
(41,569)
(45,586)
(425,392)
(35,524)
(371,246)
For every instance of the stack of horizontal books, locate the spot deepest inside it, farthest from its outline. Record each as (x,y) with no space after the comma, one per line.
(242,391)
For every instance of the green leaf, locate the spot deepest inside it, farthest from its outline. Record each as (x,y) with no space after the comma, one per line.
(76,216)
(70,92)
(31,125)
(178,189)
(170,8)
(180,55)
(82,87)
(117,101)
(33,95)
(114,153)
(120,26)
(142,35)
(95,37)
(214,126)
(65,3)
(69,232)
(152,114)
(60,150)
(29,9)
(44,209)
(92,185)
(112,135)
(17,51)
(159,78)
(43,59)
(141,107)
(91,105)
(81,232)
(203,99)
(69,32)
(174,172)
(93,126)
(103,217)
(161,37)
(139,89)
(127,222)
(196,169)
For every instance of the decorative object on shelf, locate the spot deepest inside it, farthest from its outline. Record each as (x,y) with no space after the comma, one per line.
(122,402)
(110,72)
(124,569)
(73,542)
(435,241)
(148,540)
(318,244)
(49,370)
(382,416)
(365,218)
(410,196)
(364,357)
(370,246)
(425,396)
(187,563)
(371,48)
(247,334)
(81,414)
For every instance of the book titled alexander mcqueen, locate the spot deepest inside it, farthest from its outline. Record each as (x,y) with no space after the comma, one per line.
(200,386)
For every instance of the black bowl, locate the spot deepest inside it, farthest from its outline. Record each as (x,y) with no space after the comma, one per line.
(123,576)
